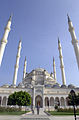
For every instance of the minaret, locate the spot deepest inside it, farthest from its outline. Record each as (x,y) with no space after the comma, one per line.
(24,71)
(4,39)
(54,69)
(61,63)
(17,64)
(74,40)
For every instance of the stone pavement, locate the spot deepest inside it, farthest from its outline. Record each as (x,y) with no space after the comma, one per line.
(8,117)
(30,116)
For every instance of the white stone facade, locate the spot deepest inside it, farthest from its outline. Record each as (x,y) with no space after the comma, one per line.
(42,88)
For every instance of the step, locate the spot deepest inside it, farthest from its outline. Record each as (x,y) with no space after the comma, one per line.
(35,119)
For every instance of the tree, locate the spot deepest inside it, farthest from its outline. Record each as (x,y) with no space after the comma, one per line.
(73,100)
(19,98)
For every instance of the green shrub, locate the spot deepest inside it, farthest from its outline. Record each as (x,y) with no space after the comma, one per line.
(9,109)
(66,110)
(56,107)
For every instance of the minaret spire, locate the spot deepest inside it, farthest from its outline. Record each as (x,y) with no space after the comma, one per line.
(4,39)
(74,40)
(54,69)
(61,63)
(17,64)
(24,71)
(68,18)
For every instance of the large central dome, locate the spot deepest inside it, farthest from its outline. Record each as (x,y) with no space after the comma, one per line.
(39,76)
(40,69)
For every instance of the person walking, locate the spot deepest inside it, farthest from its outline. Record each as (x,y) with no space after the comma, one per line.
(38,107)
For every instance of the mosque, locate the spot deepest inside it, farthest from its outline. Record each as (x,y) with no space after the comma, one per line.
(39,83)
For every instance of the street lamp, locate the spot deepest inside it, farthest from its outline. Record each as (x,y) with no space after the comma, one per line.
(72,92)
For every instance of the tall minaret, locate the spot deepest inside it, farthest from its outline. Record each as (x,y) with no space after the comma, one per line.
(17,64)
(74,40)
(24,71)
(54,69)
(61,63)
(4,39)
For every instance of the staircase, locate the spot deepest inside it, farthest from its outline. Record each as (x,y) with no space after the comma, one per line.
(41,111)
(35,117)
(41,116)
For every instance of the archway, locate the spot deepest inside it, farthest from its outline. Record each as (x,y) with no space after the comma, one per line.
(46,101)
(62,101)
(38,101)
(51,101)
(67,101)
(57,102)
(0,100)
(4,102)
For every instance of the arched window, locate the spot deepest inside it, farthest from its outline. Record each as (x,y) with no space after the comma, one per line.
(51,101)
(57,102)
(62,101)
(46,101)
(4,102)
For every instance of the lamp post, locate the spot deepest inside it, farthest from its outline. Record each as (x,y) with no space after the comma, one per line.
(72,92)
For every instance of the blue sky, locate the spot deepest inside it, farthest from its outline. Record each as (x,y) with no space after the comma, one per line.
(39,23)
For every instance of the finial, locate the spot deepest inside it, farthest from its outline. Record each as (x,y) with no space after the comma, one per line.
(10,18)
(20,41)
(58,40)
(53,59)
(25,58)
(68,18)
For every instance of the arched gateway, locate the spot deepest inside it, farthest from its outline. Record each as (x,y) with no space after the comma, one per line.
(38,101)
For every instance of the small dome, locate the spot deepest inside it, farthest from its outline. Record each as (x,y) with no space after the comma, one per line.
(56,85)
(71,86)
(12,86)
(21,85)
(63,86)
(6,85)
(49,86)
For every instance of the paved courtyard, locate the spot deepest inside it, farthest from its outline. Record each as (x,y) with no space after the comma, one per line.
(30,116)
(8,117)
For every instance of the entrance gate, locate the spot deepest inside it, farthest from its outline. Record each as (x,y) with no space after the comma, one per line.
(38,101)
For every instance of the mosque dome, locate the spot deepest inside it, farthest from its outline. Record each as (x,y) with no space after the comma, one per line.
(71,86)
(20,85)
(39,76)
(5,85)
(63,86)
(56,85)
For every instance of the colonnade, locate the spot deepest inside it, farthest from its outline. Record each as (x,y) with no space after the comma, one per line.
(52,101)
(48,101)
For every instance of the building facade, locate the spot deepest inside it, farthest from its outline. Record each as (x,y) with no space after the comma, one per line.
(42,87)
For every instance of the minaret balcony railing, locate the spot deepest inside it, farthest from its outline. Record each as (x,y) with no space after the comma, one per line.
(74,41)
(61,66)
(71,28)
(4,41)
(7,28)
(60,56)
(16,66)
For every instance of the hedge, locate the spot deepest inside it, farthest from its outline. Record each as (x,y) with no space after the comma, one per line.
(9,109)
(66,110)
